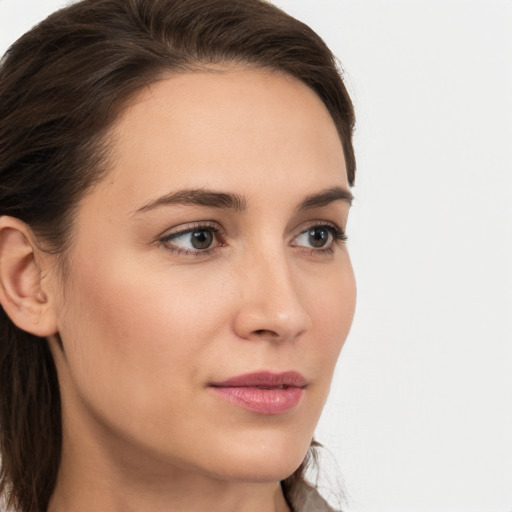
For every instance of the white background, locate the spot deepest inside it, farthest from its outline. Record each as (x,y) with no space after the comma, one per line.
(420,416)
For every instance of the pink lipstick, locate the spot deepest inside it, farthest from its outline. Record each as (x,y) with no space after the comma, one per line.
(263,392)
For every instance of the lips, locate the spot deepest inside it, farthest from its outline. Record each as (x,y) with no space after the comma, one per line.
(263,392)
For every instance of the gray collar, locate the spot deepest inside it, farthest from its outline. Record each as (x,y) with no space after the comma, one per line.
(305,498)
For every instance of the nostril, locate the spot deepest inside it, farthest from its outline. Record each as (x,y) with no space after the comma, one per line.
(266,333)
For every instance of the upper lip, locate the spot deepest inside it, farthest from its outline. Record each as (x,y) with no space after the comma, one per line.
(264,379)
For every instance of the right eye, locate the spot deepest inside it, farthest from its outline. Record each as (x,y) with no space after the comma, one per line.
(197,239)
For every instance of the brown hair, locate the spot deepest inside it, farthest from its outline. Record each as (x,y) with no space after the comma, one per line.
(62,85)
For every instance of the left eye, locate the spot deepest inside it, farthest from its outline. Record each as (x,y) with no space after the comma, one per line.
(319,237)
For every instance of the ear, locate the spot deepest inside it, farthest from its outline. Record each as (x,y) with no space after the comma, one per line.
(21,289)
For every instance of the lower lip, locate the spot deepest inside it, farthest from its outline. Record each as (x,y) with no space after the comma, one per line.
(261,400)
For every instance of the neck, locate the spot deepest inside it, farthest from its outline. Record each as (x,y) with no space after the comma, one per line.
(190,495)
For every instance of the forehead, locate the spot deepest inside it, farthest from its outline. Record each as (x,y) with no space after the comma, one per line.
(235,129)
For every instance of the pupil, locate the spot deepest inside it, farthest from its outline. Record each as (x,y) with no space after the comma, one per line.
(318,237)
(202,239)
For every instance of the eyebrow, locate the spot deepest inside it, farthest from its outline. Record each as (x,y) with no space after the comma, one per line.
(199,197)
(325,197)
(231,201)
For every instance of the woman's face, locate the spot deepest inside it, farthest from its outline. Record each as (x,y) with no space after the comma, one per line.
(210,290)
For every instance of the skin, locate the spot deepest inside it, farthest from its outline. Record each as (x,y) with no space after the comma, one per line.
(147,323)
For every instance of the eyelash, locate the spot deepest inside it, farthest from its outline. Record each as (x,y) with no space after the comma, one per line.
(337,234)
(203,226)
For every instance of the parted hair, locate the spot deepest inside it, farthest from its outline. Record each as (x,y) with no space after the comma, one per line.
(62,86)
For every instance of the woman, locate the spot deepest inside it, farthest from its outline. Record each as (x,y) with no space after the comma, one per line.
(175,287)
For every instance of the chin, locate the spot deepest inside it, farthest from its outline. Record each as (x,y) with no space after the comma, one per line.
(263,462)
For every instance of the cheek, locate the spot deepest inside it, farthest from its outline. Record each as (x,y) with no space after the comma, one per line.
(329,296)
(130,332)
(333,305)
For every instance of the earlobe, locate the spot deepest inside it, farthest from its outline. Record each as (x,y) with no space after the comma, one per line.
(21,293)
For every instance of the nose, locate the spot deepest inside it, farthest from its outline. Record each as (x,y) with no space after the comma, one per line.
(273,303)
